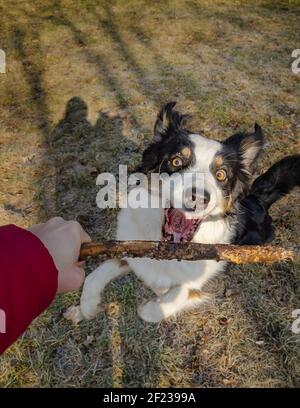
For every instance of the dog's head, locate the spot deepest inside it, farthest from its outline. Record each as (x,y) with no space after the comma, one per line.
(224,167)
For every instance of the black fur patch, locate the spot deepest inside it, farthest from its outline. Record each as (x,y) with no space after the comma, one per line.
(237,157)
(170,140)
(279,180)
(237,181)
(255,224)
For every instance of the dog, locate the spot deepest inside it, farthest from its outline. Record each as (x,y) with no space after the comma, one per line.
(228,213)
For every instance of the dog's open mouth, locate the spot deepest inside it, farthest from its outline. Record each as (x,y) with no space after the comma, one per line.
(177,227)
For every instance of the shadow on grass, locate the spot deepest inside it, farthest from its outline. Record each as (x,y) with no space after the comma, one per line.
(78,151)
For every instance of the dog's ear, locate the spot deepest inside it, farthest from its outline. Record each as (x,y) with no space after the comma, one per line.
(163,121)
(249,145)
(167,119)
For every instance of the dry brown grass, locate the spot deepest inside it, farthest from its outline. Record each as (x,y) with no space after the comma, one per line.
(228,63)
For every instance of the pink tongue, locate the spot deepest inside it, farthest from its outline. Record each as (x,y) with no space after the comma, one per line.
(177,228)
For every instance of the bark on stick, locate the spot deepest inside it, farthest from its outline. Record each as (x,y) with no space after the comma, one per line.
(190,251)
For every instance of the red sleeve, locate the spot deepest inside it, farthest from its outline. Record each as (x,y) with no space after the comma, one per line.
(28,281)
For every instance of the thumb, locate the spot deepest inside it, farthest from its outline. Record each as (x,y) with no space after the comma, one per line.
(71,279)
(79,276)
(84,236)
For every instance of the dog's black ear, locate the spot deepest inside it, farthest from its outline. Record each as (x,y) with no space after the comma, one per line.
(168,122)
(163,121)
(249,145)
(167,119)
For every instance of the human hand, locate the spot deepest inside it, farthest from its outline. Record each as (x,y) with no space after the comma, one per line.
(63,240)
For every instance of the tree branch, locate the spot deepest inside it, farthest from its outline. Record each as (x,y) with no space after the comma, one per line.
(190,251)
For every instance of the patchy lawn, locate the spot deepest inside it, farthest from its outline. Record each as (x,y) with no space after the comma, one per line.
(83,84)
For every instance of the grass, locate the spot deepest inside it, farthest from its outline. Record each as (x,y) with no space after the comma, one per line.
(111,64)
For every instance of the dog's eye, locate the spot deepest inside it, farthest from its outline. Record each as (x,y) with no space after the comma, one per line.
(221,175)
(176,162)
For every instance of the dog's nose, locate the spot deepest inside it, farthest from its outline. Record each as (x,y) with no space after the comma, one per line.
(196,200)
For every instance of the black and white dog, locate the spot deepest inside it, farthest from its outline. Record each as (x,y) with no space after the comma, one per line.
(230,212)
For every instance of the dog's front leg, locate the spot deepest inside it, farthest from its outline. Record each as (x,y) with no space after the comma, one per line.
(174,301)
(95,283)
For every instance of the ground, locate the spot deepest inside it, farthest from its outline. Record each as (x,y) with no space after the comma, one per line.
(228,63)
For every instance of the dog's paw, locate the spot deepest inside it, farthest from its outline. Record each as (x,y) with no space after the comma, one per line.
(151,312)
(73,314)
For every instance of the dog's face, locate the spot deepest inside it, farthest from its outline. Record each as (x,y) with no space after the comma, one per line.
(217,174)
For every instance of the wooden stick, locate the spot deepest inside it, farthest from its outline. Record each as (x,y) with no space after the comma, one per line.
(190,251)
